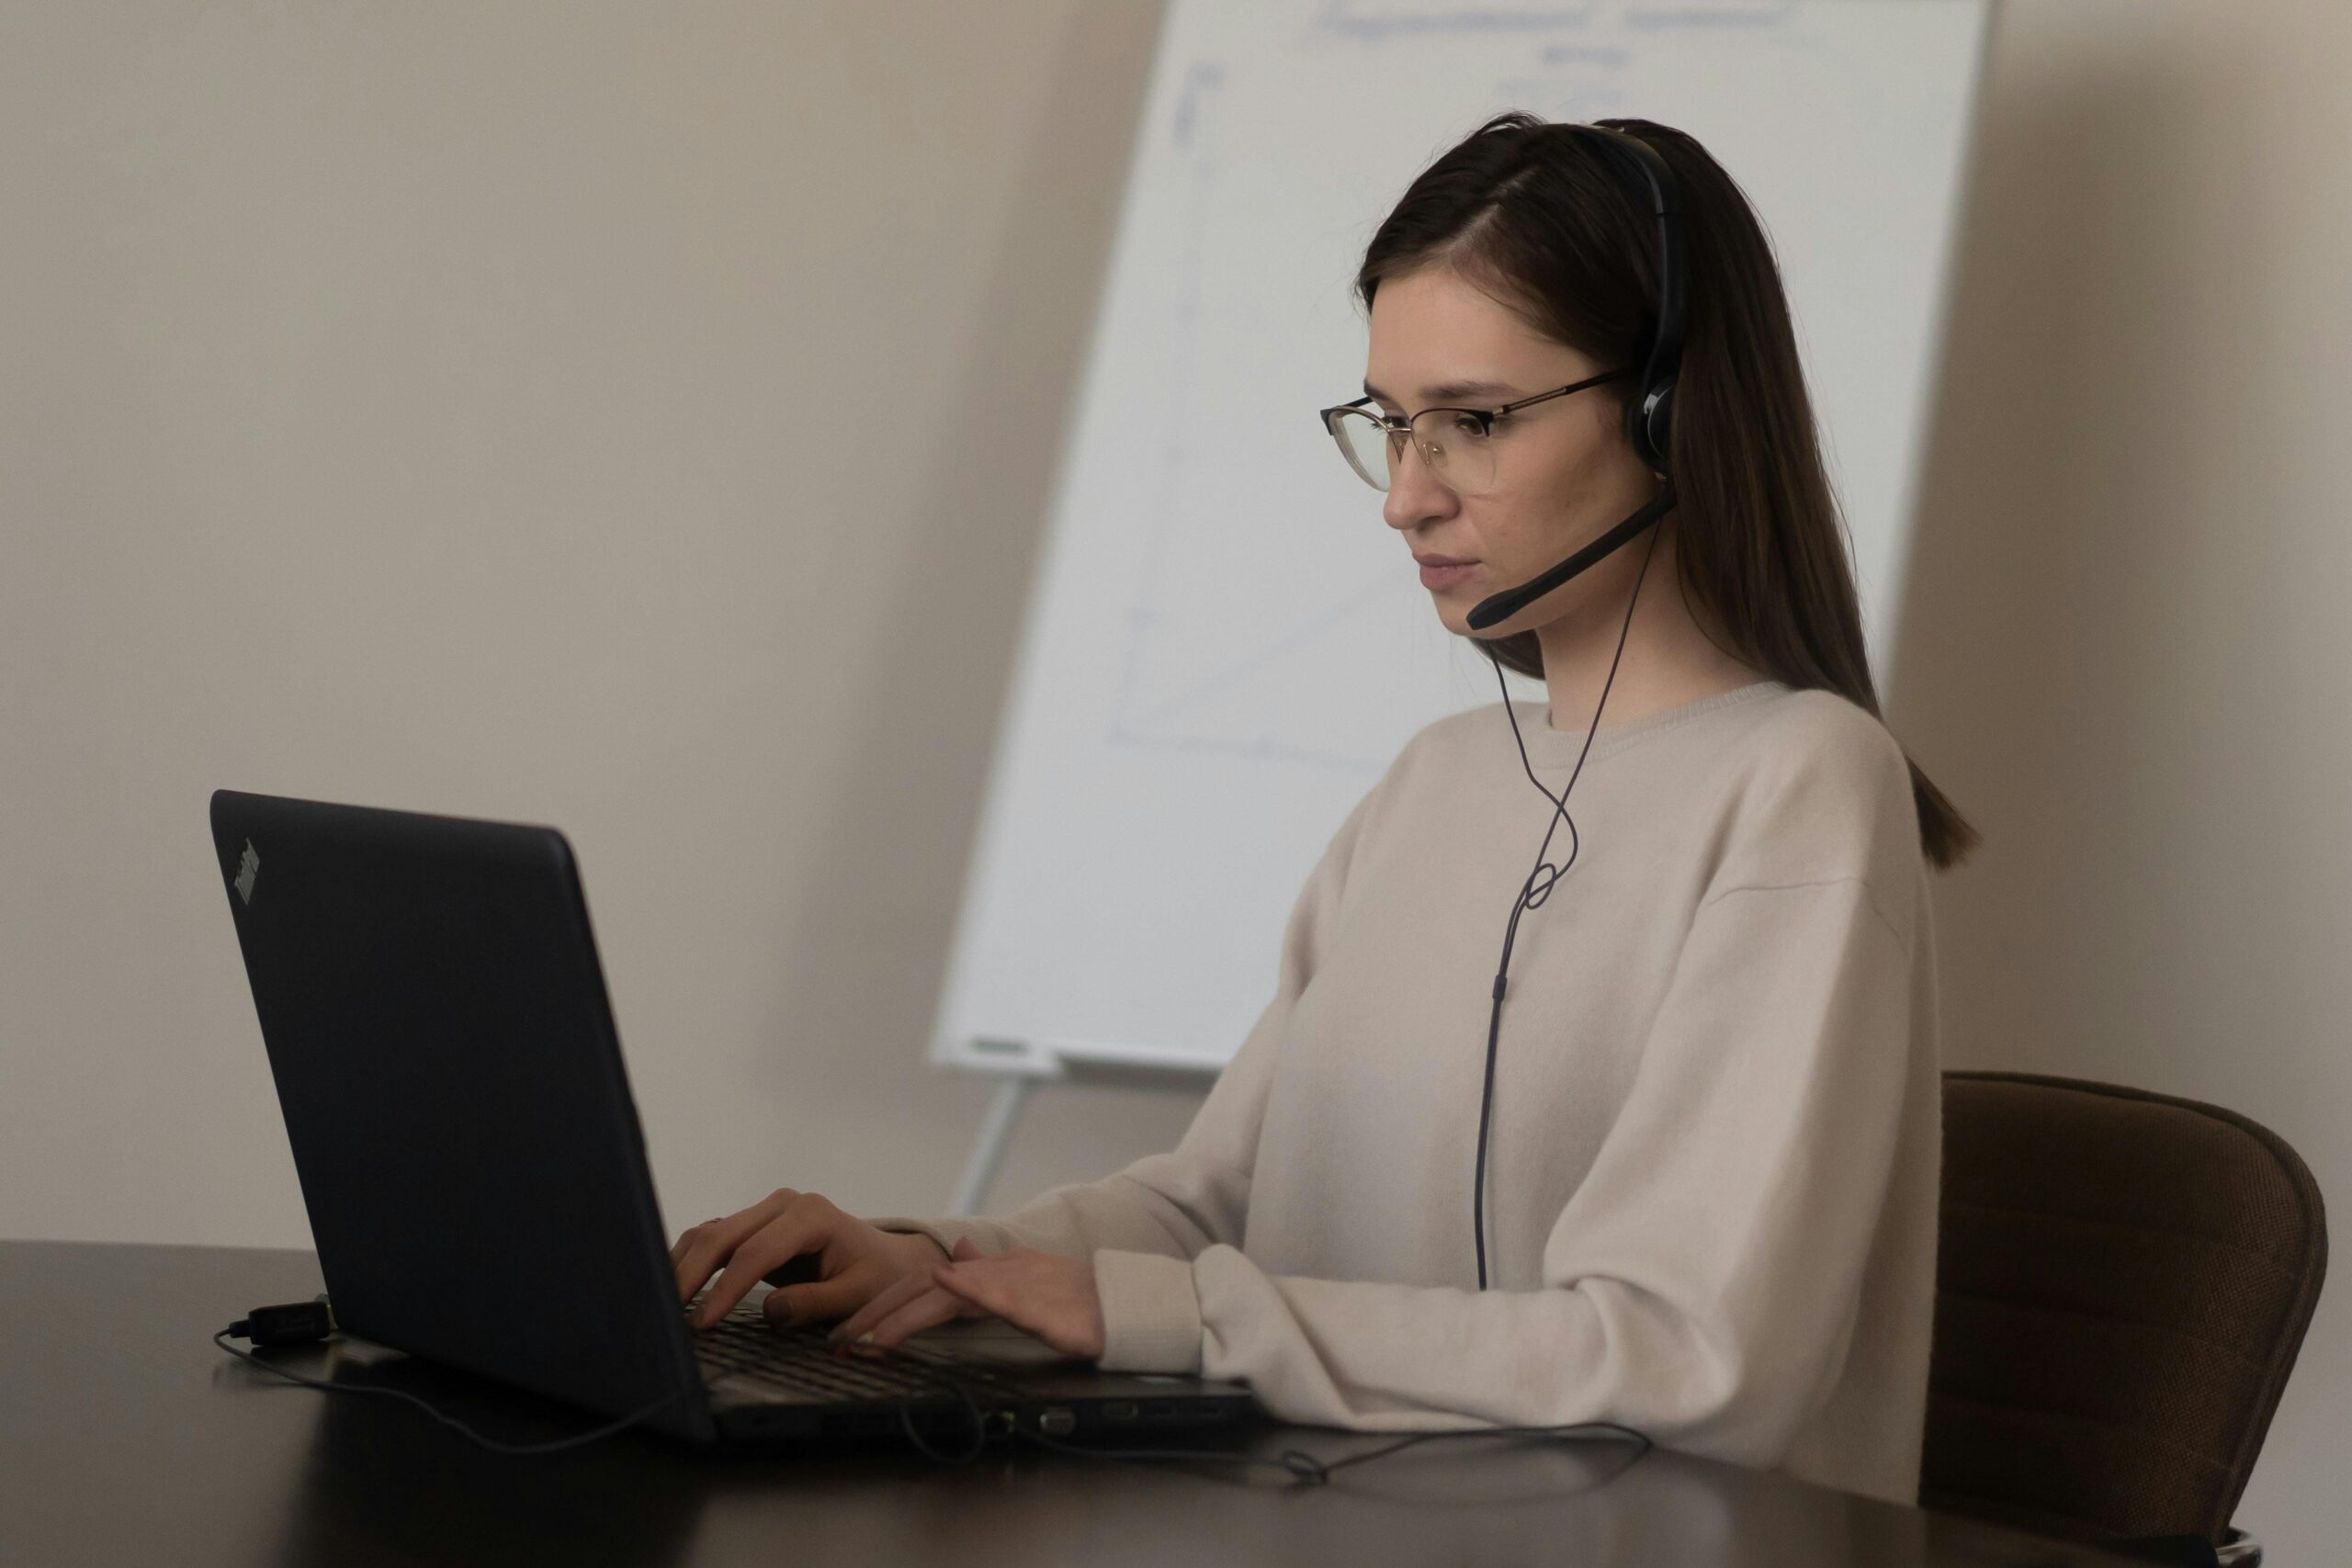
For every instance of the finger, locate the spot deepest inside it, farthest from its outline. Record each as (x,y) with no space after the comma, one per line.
(705,1245)
(928,1310)
(701,1248)
(804,1227)
(692,1233)
(966,1247)
(990,1283)
(886,1301)
(1033,1301)
(820,1299)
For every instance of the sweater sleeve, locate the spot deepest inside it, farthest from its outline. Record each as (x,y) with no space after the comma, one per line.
(1701,1283)
(1169,1206)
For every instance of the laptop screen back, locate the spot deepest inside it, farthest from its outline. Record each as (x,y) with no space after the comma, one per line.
(437,1022)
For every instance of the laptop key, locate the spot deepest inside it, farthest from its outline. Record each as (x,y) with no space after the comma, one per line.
(801,1361)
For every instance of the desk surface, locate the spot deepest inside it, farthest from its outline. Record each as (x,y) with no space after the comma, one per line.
(127,1436)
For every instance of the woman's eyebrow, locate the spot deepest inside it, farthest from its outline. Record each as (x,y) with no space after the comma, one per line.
(1445,390)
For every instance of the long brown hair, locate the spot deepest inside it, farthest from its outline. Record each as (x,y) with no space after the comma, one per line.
(1530,212)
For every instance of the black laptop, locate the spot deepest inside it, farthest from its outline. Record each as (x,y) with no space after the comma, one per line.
(437,1022)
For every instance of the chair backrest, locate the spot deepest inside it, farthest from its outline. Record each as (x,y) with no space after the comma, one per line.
(2122,1281)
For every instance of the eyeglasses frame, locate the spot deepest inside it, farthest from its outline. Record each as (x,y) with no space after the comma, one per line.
(1485,417)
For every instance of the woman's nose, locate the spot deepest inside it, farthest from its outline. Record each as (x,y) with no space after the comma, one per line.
(1413,494)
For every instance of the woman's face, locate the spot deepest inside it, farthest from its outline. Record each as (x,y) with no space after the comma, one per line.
(1564,471)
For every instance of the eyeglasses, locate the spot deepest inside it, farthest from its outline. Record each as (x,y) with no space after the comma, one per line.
(1458,444)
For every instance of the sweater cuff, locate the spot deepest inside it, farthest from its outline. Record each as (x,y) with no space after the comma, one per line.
(1151,1313)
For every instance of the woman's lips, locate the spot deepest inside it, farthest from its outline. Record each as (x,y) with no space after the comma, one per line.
(1446,576)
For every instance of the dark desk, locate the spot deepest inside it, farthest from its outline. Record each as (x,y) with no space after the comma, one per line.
(126,1437)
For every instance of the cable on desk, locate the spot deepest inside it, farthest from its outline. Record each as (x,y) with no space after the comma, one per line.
(492,1444)
(1297,1464)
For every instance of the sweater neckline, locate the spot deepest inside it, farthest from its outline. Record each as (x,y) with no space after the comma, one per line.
(1567,745)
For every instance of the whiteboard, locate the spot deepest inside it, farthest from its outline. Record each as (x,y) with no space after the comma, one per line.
(1225,645)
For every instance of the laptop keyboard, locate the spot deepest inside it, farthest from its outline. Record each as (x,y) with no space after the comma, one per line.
(798,1359)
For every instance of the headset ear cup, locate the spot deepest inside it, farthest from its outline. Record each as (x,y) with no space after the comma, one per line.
(1658,427)
(1637,431)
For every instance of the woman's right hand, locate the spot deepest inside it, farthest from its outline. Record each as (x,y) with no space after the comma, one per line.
(855,1261)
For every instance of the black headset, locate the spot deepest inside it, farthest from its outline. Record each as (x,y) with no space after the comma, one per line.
(1649,416)
(1649,411)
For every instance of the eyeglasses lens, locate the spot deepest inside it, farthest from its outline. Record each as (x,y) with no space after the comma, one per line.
(1459,454)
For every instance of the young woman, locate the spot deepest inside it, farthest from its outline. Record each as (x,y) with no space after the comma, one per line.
(1692,1053)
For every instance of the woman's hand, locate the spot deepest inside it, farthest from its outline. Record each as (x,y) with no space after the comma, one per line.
(855,1262)
(1051,1296)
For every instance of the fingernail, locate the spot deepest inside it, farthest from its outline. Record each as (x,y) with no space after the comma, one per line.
(865,1339)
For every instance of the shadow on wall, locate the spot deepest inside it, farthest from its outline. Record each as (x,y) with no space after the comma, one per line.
(2060,651)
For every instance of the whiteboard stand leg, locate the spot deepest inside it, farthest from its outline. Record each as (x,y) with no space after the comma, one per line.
(988,1152)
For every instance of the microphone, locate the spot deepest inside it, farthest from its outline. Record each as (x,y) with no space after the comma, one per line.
(1511,601)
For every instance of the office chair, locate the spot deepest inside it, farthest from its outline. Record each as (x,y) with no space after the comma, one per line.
(2123,1280)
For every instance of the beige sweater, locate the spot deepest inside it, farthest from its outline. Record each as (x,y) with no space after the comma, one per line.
(1713,1168)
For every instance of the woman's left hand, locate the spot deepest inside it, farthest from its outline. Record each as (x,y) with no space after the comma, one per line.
(1051,1296)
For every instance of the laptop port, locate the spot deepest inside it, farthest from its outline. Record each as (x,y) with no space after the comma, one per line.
(1057,1422)
(1120,1410)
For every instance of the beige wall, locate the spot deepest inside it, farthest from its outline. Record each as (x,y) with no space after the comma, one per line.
(642,421)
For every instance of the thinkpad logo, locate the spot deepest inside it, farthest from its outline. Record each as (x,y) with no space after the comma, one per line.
(248,869)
